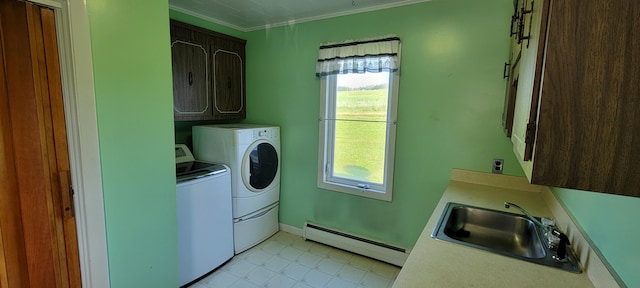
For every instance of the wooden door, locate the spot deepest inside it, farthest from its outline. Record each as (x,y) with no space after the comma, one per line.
(38,244)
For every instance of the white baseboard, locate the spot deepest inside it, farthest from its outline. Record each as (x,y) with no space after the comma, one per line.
(291,229)
(392,257)
(358,244)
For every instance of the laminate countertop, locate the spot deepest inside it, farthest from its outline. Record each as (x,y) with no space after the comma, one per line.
(438,263)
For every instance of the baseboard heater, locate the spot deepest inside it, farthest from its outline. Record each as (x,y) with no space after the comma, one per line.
(356,244)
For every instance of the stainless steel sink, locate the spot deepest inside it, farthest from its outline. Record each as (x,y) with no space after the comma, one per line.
(500,232)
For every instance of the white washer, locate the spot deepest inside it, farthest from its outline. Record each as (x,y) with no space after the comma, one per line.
(253,154)
(204,216)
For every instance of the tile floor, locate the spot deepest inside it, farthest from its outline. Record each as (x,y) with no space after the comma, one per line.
(288,261)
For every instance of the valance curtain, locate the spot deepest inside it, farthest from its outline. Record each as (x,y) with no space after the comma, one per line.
(359,56)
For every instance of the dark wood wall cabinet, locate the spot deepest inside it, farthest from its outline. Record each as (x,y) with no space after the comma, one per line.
(511,68)
(576,118)
(208,74)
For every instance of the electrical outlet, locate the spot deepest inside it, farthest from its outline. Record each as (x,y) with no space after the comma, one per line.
(498,165)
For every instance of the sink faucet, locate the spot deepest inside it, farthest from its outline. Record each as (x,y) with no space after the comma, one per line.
(533,219)
(561,255)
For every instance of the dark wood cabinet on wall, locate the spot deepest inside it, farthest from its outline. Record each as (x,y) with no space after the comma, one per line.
(208,74)
(511,68)
(576,114)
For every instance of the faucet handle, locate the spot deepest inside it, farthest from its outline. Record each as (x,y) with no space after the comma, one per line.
(549,226)
(547,221)
(552,240)
(561,255)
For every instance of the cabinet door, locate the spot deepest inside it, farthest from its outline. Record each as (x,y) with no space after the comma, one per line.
(516,27)
(588,119)
(511,71)
(189,59)
(534,22)
(228,79)
(510,99)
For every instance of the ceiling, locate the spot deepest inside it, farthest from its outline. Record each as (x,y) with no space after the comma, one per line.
(249,15)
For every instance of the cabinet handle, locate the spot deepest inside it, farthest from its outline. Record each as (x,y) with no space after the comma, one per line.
(514,19)
(190,79)
(229,82)
(505,70)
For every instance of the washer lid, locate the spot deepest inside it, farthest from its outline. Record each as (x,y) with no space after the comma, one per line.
(195,169)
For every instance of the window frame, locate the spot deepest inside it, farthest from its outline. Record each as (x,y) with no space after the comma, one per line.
(328,94)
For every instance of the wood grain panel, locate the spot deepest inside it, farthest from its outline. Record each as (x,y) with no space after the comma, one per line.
(26,144)
(35,180)
(540,42)
(189,59)
(13,261)
(34,143)
(510,100)
(180,70)
(588,122)
(228,81)
(65,220)
(226,100)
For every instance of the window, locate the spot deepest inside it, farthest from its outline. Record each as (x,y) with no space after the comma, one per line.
(359,94)
(357,133)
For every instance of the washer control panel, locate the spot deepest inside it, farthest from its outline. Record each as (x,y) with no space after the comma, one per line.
(183,154)
(265,133)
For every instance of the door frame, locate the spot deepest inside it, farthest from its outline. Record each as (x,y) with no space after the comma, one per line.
(72,25)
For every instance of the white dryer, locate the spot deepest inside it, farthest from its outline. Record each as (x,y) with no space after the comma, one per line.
(253,154)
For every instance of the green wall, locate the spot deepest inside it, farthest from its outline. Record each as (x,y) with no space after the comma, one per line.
(449,117)
(132,73)
(449,113)
(610,222)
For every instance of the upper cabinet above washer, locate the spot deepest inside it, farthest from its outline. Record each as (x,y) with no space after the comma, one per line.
(190,62)
(228,78)
(208,74)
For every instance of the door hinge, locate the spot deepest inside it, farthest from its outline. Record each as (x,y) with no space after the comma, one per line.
(529,141)
(66,188)
(531,133)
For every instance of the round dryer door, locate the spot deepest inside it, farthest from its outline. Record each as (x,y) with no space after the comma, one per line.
(260,166)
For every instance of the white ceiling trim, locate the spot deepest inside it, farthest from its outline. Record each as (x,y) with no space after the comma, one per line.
(206,18)
(295,21)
